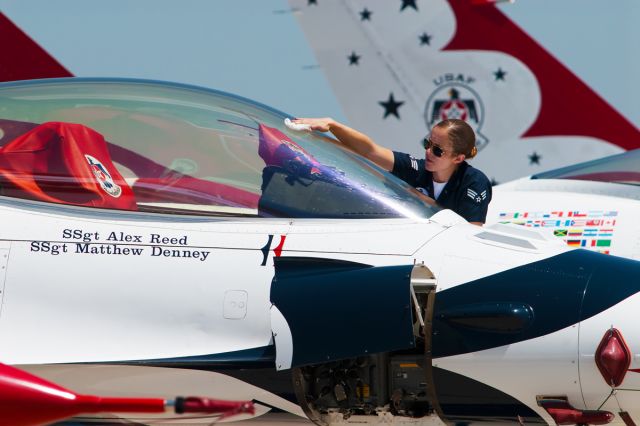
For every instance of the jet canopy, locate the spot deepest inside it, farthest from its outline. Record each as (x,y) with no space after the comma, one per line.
(169,148)
(621,168)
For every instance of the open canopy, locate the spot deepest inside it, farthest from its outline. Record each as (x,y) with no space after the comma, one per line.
(160,147)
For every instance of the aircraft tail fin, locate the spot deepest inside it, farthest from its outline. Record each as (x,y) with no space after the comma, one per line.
(28,59)
(569,106)
(397,68)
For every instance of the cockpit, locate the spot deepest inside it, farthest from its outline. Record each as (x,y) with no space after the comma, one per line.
(168,148)
(621,168)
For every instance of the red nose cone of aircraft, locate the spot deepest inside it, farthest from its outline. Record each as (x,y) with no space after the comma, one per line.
(613,357)
(27,400)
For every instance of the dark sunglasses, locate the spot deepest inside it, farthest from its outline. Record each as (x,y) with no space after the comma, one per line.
(437,151)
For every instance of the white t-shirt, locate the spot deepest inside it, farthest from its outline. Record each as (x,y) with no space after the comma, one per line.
(438,187)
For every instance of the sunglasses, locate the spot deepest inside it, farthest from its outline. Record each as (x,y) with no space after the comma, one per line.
(437,151)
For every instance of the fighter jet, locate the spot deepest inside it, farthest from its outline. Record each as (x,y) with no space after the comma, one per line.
(593,205)
(158,237)
(541,90)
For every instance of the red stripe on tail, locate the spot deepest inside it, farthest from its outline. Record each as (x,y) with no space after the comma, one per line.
(568,106)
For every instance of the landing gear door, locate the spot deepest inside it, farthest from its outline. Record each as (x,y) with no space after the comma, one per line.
(328,309)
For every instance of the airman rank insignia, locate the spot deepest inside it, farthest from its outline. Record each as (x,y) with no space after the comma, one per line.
(478,198)
(414,163)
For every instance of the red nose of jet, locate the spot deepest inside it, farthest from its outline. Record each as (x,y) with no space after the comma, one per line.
(27,400)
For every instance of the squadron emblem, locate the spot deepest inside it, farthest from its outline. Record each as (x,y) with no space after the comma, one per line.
(454,107)
(103,177)
(454,98)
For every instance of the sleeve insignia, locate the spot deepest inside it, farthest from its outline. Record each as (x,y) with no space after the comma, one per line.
(478,198)
(414,163)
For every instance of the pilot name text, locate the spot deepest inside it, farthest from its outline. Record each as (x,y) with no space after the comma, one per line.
(123,237)
(55,249)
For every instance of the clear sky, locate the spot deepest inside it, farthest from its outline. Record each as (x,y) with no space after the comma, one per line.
(255,48)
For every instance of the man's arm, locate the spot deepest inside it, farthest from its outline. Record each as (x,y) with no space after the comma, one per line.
(354,140)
